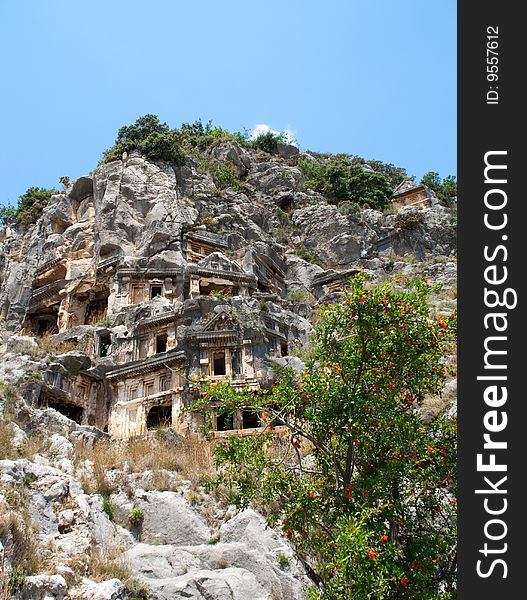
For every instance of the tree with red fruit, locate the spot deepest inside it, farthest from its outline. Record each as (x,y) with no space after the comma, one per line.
(364,489)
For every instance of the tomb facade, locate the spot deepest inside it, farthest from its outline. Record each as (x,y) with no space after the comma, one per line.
(153,333)
(409,193)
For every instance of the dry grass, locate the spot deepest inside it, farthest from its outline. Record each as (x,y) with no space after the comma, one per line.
(107,563)
(161,480)
(7,450)
(36,443)
(195,458)
(21,551)
(283,451)
(10,398)
(48,345)
(435,406)
(190,457)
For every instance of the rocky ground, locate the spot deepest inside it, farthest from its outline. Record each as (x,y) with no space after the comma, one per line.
(106,523)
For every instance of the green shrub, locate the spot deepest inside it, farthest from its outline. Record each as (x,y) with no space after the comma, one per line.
(106,321)
(283,560)
(155,140)
(193,497)
(299,296)
(350,209)
(224,176)
(209,220)
(339,179)
(65,181)
(375,512)
(35,376)
(308,255)
(17,577)
(7,215)
(108,507)
(395,175)
(136,516)
(29,478)
(150,137)
(204,136)
(283,217)
(29,208)
(220,294)
(268,141)
(136,591)
(444,188)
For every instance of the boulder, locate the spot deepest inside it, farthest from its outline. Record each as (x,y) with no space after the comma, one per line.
(233,153)
(286,150)
(112,589)
(24,344)
(269,177)
(248,559)
(43,587)
(74,361)
(168,518)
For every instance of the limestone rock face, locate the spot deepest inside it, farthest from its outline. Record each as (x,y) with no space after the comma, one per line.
(43,587)
(140,212)
(167,518)
(135,284)
(268,177)
(244,563)
(112,589)
(234,154)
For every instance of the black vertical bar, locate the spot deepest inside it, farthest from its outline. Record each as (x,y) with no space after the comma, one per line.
(490,121)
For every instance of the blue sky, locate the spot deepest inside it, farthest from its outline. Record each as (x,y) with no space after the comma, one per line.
(376,79)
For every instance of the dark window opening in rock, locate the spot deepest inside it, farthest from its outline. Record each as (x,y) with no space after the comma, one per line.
(250,419)
(105,344)
(46,325)
(161,343)
(286,204)
(236,363)
(224,422)
(218,363)
(206,288)
(155,290)
(71,411)
(284,350)
(263,288)
(97,307)
(159,416)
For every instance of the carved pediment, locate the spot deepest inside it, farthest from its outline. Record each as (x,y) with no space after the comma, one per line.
(220,322)
(219,262)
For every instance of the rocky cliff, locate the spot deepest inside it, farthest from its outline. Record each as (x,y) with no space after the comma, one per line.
(137,282)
